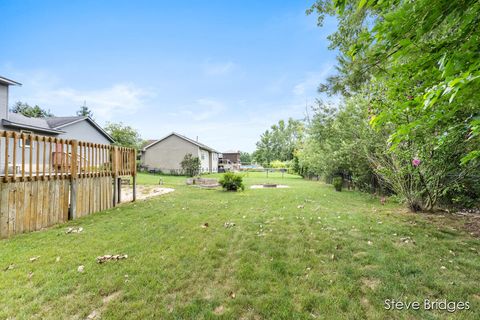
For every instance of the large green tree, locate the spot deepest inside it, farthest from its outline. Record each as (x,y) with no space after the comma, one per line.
(29,111)
(245,157)
(279,142)
(340,142)
(124,135)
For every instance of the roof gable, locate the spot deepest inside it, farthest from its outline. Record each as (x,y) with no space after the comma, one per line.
(62,122)
(198,144)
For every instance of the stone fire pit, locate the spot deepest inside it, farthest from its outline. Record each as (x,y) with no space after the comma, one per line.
(269,186)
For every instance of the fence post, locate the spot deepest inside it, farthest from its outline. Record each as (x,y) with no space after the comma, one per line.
(119,189)
(134,175)
(73,181)
(114,174)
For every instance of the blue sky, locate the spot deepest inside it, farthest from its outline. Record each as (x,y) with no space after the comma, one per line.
(220,70)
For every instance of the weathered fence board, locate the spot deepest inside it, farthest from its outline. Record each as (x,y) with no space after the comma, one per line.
(59,180)
(93,194)
(32,205)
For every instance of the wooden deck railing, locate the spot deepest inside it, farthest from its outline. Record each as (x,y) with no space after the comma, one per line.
(30,157)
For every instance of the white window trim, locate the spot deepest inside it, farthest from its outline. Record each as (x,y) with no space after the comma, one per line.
(20,140)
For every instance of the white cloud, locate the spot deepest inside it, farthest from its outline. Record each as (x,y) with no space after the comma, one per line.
(118,99)
(201,110)
(106,103)
(218,68)
(311,82)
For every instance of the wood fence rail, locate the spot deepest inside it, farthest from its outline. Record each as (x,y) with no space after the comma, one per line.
(45,180)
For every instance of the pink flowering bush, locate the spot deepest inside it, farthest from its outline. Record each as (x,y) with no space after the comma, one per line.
(416,162)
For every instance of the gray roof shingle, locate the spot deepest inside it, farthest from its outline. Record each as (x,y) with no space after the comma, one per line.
(50,124)
(19,120)
(55,122)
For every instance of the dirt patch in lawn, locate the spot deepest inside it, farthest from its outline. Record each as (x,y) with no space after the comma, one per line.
(97,313)
(371,284)
(143,192)
(219,310)
(457,221)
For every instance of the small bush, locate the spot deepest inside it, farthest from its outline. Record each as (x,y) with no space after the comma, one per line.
(338,183)
(190,165)
(232,182)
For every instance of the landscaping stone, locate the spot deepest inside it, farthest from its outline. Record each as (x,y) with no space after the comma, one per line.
(203,182)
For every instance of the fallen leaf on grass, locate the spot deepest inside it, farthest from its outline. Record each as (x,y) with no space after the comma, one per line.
(232,295)
(219,310)
(74,230)
(92,315)
(407,240)
(10,267)
(34,258)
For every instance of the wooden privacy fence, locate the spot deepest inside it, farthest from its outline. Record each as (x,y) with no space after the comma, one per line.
(46,180)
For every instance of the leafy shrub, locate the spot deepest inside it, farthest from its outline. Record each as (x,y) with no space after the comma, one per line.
(277,164)
(190,165)
(338,183)
(232,182)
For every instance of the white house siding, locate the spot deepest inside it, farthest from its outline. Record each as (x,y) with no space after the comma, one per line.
(214,162)
(204,156)
(167,154)
(83,131)
(3,103)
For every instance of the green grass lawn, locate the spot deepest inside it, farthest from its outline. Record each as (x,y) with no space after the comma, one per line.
(300,253)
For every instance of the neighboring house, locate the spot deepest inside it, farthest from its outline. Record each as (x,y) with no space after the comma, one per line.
(232,155)
(167,153)
(78,127)
(230,161)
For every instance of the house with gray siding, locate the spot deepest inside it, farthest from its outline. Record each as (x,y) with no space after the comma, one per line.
(77,127)
(166,154)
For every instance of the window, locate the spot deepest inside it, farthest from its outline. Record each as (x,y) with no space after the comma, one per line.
(28,141)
